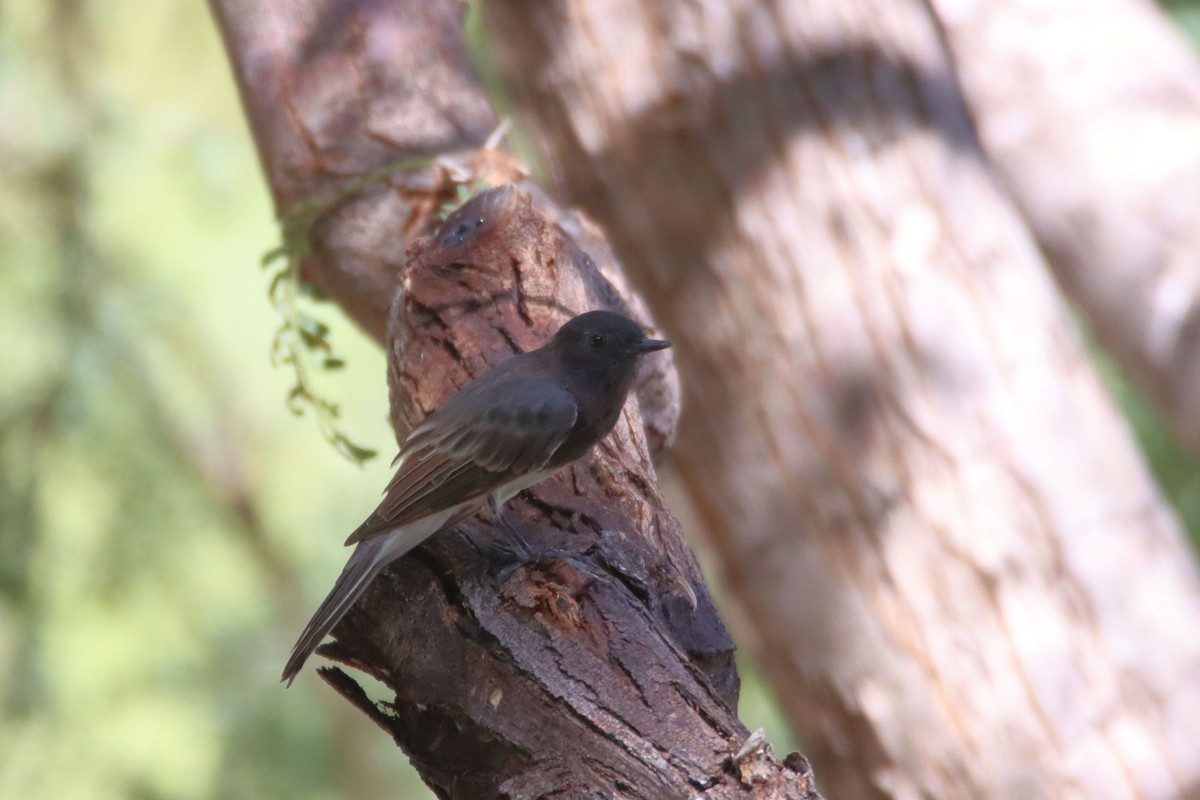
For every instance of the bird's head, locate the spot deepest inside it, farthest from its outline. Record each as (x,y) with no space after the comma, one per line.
(603,342)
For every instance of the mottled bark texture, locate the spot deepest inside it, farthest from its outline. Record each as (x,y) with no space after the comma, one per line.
(1090,112)
(368,117)
(338,92)
(598,667)
(961,579)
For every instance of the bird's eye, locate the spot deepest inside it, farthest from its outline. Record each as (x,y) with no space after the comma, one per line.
(596,340)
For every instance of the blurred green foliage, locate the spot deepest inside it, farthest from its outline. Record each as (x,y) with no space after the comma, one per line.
(1186,14)
(165,525)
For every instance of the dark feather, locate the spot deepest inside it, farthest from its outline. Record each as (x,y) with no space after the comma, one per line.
(504,432)
(484,437)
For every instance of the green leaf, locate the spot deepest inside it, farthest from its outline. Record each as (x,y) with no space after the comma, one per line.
(276,285)
(273,255)
(313,342)
(297,400)
(310,325)
(310,292)
(302,341)
(353,451)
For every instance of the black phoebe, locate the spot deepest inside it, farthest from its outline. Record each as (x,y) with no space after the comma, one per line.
(503,432)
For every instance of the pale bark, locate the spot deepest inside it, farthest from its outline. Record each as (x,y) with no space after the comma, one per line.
(599,666)
(961,579)
(332,94)
(1090,112)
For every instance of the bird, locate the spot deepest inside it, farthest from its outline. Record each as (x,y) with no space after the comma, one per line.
(503,432)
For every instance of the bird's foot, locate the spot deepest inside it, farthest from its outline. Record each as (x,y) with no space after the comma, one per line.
(517,543)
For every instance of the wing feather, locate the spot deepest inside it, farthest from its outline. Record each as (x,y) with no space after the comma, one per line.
(460,453)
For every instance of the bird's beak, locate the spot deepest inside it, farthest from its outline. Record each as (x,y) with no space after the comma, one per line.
(649,346)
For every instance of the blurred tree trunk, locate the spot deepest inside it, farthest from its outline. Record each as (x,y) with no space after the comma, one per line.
(958,574)
(1095,130)
(599,667)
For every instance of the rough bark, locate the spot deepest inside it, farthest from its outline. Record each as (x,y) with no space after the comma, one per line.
(368,117)
(961,579)
(599,667)
(332,94)
(1095,131)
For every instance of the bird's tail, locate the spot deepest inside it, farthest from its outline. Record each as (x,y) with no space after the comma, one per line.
(368,560)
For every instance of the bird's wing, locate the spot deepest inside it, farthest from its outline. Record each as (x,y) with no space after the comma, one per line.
(484,437)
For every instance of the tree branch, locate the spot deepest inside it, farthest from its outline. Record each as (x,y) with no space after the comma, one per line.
(599,667)
(962,581)
(337,91)
(1095,131)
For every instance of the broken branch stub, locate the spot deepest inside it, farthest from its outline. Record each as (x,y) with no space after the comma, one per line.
(499,278)
(570,670)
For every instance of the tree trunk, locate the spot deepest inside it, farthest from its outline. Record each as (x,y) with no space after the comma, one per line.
(599,667)
(959,576)
(1095,131)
